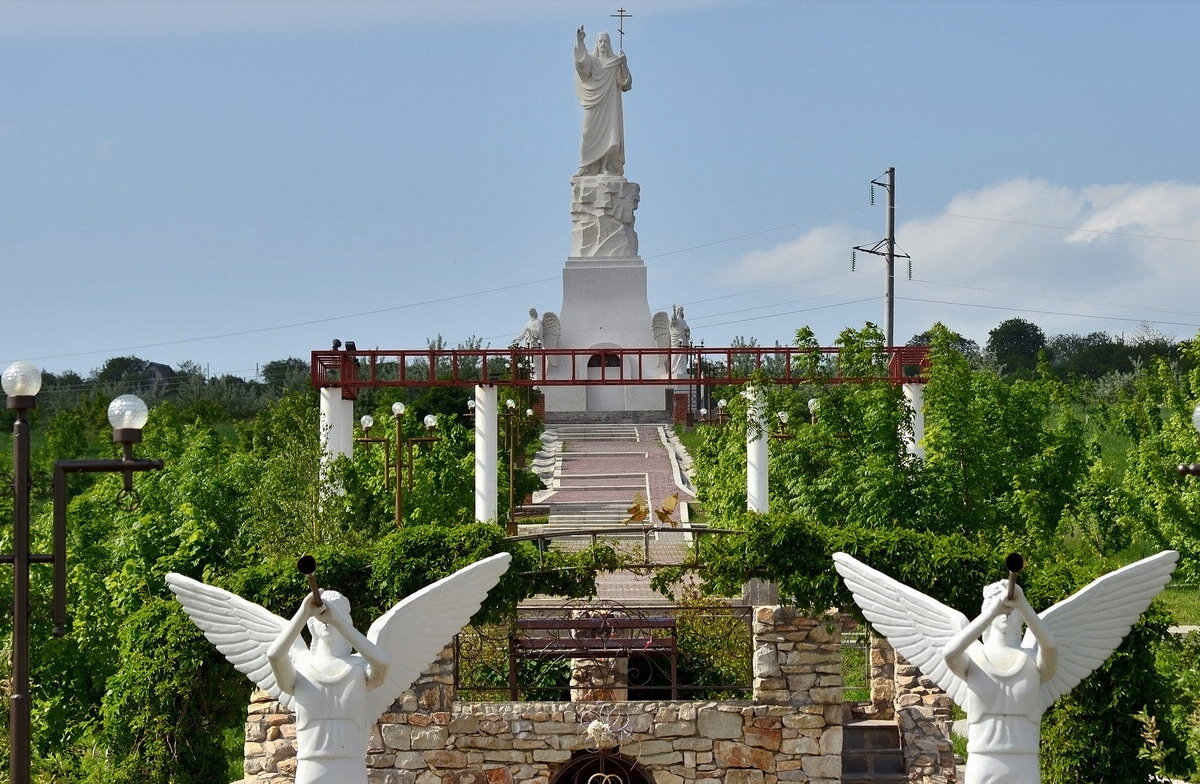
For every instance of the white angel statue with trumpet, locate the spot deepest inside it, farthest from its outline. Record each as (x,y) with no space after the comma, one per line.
(337,694)
(1025,660)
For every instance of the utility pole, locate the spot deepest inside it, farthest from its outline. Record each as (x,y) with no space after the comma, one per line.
(886,247)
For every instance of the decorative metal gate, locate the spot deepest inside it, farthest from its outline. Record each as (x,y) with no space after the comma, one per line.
(603,651)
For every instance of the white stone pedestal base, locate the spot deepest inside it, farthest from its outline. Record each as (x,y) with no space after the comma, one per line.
(605,306)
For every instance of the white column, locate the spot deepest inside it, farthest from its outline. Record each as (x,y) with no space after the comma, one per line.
(487,446)
(756,451)
(337,426)
(915,395)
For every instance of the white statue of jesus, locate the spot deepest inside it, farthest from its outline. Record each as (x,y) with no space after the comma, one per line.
(600,78)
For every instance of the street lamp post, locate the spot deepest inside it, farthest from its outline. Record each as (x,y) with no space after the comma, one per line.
(513,419)
(127,414)
(404,468)
(367,422)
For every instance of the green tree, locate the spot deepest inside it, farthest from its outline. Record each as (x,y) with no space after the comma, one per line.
(1015,344)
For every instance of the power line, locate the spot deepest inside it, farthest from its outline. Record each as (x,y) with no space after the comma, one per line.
(704,316)
(1192,324)
(310,322)
(756,233)
(1101,303)
(789,313)
(1106,232)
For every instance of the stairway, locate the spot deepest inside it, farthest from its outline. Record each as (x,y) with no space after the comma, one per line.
(871,753)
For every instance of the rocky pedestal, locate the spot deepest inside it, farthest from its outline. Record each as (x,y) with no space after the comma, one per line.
(602,217)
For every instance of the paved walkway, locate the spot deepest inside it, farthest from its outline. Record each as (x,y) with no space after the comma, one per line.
(593,472)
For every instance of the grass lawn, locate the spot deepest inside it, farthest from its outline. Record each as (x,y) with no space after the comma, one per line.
(1184,603)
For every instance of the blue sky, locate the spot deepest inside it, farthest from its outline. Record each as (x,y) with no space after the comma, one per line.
(235,182)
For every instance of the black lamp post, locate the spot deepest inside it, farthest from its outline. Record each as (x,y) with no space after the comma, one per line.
(404,468)
(513,420)
(367,422)
(127,414)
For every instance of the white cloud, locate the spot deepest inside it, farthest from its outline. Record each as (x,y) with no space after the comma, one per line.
(1083,257)
(817,251)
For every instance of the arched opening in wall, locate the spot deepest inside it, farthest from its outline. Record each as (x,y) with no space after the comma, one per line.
(605,398)
(610,361)
(601,767)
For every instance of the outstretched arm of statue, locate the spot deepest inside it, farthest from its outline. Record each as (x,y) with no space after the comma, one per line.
(582,65)
(377,658)
(281,661)
(955,651)
(1047,650)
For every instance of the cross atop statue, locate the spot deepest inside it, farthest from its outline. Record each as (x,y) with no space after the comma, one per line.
(621,16)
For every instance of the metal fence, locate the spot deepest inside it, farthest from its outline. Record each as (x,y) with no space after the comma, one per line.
(603,650)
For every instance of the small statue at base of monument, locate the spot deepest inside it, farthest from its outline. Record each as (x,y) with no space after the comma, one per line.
(681,338)
(1025,660)
(531,335)
(337,694)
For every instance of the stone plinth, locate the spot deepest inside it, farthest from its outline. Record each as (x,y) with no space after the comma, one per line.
(605,306)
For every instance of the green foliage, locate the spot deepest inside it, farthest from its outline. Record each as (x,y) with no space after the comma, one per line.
(1015,344)
(1153,502)
(160,706)
(1093,733)
(134,691)
(1177,660)
(1007,466)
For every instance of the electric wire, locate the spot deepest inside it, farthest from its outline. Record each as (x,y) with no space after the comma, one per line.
(1106,232)
(453,297)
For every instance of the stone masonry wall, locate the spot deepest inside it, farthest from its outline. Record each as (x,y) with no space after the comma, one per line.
(923,713)
(882,661)
(790,732)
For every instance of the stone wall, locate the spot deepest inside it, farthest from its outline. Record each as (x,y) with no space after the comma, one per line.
(923,713)
(789,732)
(882,661)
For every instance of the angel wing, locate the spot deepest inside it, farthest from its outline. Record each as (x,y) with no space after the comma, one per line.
(417,628)
(551,330)
(917,626)
(660,325)
(1090,624)
(241,630)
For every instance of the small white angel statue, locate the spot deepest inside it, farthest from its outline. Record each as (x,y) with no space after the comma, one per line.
(531,333)
(337,694)
(1025,661)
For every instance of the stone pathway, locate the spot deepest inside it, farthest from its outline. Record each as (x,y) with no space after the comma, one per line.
(592,473)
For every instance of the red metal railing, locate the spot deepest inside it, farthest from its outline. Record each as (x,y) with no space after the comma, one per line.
(354,370)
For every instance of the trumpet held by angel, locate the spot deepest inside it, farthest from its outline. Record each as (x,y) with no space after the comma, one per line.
(342,682)
(1007,665)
